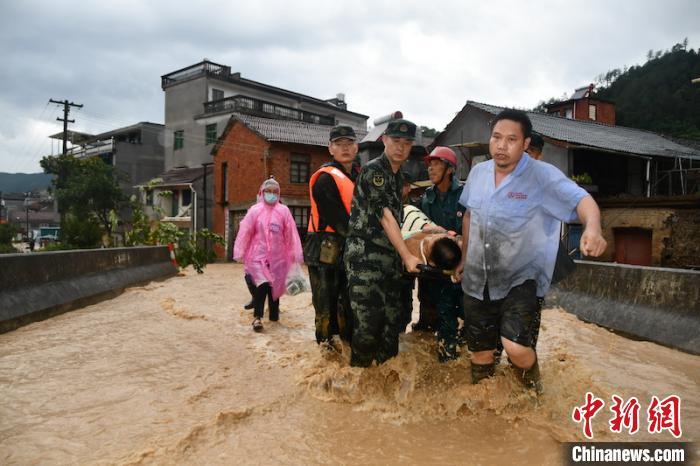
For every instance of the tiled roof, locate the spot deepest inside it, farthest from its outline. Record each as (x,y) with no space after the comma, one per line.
(580,93)
(293,131)
(180,176)
(600,135)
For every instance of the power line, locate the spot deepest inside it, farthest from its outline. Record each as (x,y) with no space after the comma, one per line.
(66,109)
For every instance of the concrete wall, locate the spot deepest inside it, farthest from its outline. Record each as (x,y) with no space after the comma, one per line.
(35,286)
(182,103)
(683,248)
(473,125)
(140,162)
(143,161)
(184,110)
(557,156)
(661,305)
(675,233)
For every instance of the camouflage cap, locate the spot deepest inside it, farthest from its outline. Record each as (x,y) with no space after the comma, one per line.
(401,129)
(342,132)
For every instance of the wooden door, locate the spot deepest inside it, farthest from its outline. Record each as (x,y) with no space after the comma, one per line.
(633,246)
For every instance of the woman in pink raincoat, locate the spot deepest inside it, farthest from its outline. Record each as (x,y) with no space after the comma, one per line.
(268,243)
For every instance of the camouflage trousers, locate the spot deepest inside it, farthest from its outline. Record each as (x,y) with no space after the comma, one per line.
(329,290)
(374,285)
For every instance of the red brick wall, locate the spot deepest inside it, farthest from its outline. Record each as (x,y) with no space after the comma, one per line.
(245,151)
(605,111)
(280,168)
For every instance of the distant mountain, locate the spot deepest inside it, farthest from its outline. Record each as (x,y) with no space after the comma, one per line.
(23,182)
(658,95)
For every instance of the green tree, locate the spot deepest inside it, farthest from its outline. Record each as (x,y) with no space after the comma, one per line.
(195,250)
(7,233)
(429,132)
(657,96)
(88,189)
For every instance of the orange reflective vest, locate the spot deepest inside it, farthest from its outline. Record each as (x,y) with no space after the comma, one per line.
(345,187)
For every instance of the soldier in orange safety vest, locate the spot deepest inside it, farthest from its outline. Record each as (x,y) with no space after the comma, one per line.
(330,190)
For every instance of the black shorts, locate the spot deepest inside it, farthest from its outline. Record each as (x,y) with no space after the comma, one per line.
(513,317)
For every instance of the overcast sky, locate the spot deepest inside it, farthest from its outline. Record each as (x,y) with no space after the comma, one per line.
(426,58)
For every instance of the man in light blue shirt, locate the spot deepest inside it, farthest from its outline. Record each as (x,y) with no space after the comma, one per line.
(510,239)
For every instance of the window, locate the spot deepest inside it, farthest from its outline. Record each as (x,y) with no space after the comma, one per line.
(301,216)
(210,134)
(591,111)
(299,168)
(224,182)
(149,197)
(179,140)
(217,94)
(175,203)
(186,197)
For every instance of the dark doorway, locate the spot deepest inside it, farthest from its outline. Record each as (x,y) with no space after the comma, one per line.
(234,223)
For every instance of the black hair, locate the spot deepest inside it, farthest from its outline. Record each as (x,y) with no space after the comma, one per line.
(515,115)
(446,254)
(536,141)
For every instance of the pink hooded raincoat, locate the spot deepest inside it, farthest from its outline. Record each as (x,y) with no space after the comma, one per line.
(268,242)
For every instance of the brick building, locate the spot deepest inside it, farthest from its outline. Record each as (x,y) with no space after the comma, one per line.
(584,105)
(250,150)
(648,186)
(201,99)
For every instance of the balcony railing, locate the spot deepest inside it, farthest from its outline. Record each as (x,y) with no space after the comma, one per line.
(93,149)
(202,68)
(249,105)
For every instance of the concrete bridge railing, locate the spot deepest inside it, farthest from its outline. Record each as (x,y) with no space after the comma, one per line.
(657,304)
(38,285)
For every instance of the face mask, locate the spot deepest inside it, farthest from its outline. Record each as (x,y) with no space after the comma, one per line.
(270,198)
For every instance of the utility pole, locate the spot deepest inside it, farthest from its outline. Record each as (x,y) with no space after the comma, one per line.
(66,110)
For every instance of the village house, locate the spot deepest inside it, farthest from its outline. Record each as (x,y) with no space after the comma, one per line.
(371,147)
(200,102)
(647,185)
(136,152)
(584,104)
(252,149)
(34,214)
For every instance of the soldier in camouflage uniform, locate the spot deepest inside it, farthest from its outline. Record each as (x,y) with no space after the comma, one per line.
(374,250)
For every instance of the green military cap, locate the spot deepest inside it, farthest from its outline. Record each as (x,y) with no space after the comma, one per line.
(342,132)
(401,129)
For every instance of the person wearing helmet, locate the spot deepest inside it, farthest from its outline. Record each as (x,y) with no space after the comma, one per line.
(441,300)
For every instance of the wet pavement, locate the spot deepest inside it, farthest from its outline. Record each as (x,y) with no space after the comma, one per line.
(172,372)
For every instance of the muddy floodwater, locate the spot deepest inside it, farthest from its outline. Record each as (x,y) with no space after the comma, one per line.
(172,373)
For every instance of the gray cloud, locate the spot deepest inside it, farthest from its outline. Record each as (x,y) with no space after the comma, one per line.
(426,59)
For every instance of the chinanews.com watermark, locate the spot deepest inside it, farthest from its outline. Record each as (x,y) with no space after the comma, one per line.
(617,453)
(628,417)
